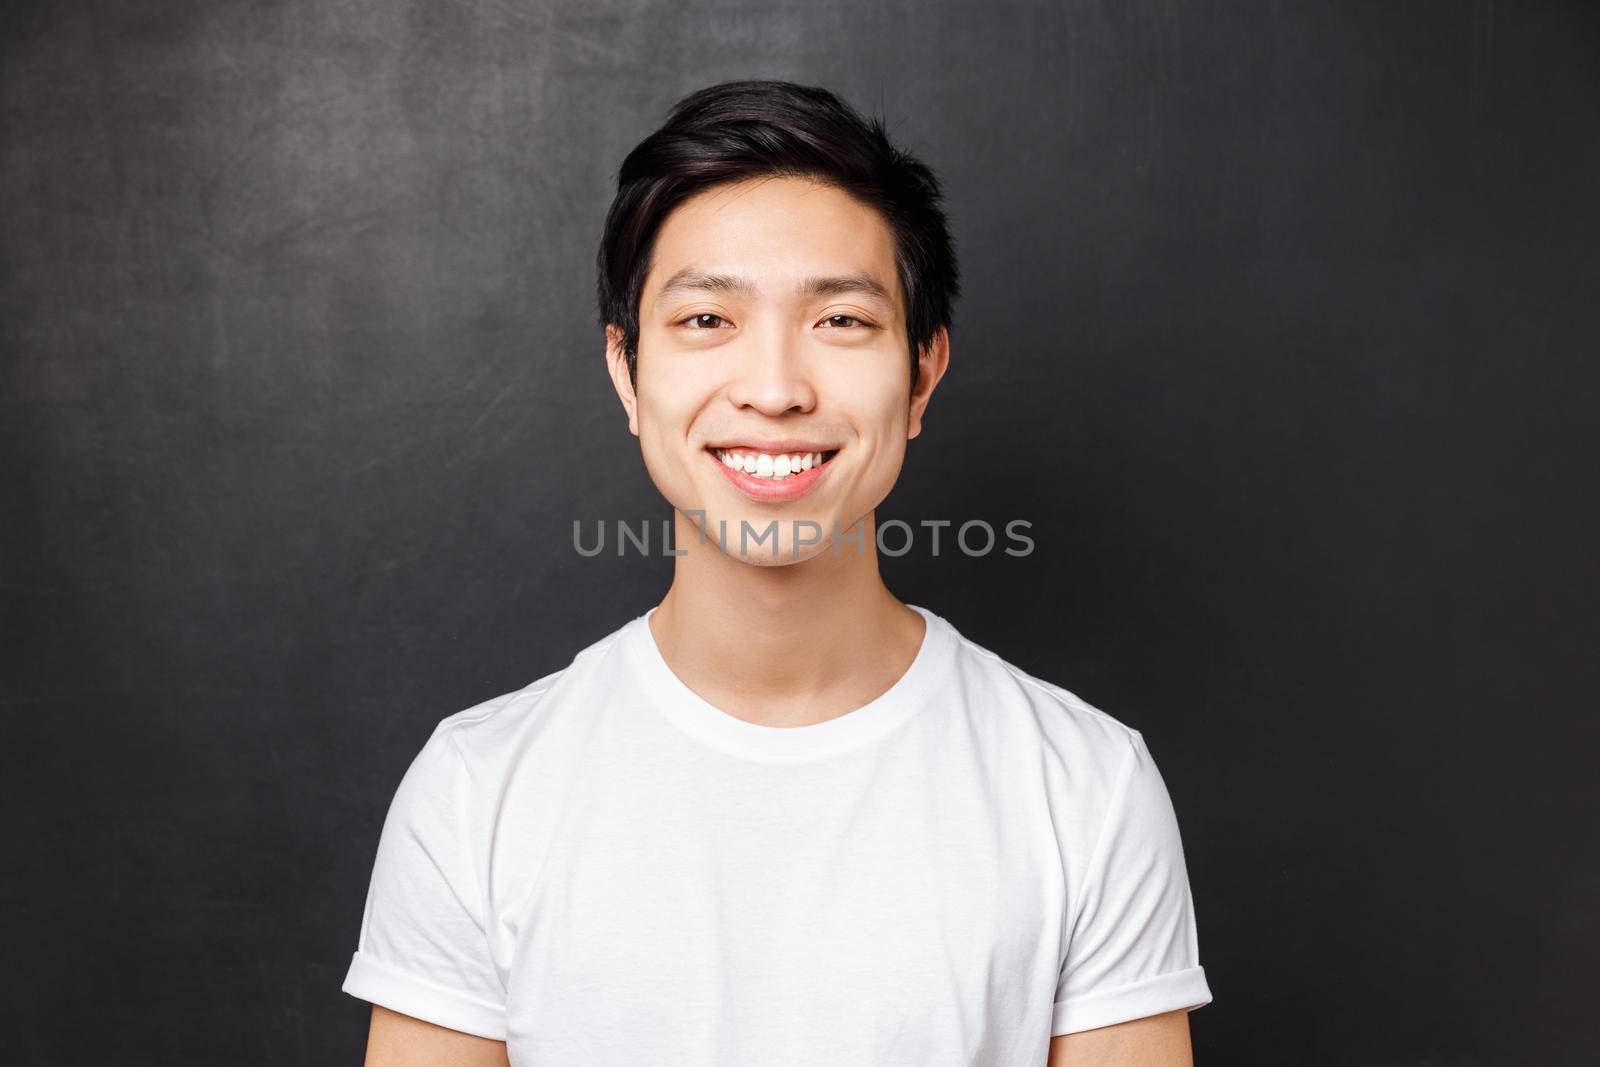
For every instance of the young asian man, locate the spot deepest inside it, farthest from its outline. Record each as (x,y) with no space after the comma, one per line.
(781,817)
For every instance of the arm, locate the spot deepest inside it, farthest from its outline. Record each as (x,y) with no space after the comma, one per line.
(397,1040)
(1154,1041)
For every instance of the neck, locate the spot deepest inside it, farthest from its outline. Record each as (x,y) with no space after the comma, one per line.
(786,645)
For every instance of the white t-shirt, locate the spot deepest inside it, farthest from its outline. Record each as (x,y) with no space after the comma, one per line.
(603,868)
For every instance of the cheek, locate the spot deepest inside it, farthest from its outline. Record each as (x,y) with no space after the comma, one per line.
(877,406)
(663,415)
(668,395)
(672,396)
(878,398)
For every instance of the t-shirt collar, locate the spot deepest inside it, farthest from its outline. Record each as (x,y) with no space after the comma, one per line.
(710,724)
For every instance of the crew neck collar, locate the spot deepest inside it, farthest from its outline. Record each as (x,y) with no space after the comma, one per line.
(695,715)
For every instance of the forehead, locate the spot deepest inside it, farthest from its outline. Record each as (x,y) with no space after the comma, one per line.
(777,232)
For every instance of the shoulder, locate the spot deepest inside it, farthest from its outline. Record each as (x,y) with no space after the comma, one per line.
(480,740)
(1080,744)
(1063,719)
(1094,774)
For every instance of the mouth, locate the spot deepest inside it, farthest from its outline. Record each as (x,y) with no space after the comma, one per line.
(777,466)
(777,472)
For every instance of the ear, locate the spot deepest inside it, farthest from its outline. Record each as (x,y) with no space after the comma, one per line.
(617,366)
(932,362)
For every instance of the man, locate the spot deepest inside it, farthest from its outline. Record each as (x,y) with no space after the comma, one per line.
(781,817)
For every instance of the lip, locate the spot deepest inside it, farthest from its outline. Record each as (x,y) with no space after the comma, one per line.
(772,490)
(776,445)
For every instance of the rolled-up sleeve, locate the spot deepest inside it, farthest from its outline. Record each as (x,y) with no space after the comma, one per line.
(423,950)
(1133,950)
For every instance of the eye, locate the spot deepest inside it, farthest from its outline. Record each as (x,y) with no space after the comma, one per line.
(700,321)
(834,321)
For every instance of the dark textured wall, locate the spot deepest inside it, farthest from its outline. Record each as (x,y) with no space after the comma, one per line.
(1280,327)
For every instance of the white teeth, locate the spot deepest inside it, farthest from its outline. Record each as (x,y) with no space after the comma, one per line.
(769,465)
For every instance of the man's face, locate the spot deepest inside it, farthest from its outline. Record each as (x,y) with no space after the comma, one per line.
(773,340)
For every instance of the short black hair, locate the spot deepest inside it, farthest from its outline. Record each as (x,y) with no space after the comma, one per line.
(748,129)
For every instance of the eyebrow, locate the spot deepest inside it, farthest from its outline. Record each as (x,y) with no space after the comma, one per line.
(690,279)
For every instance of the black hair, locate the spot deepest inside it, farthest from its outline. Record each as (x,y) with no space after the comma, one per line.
(748,129)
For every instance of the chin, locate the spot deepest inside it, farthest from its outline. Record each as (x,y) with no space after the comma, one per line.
(782,554)
(769,561)
(788,558)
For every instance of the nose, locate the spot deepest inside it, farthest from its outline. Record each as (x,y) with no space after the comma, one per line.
(772,377)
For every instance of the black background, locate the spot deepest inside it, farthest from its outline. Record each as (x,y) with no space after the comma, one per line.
(1280,327)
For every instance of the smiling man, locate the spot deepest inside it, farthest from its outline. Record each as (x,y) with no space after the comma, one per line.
(781,817)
